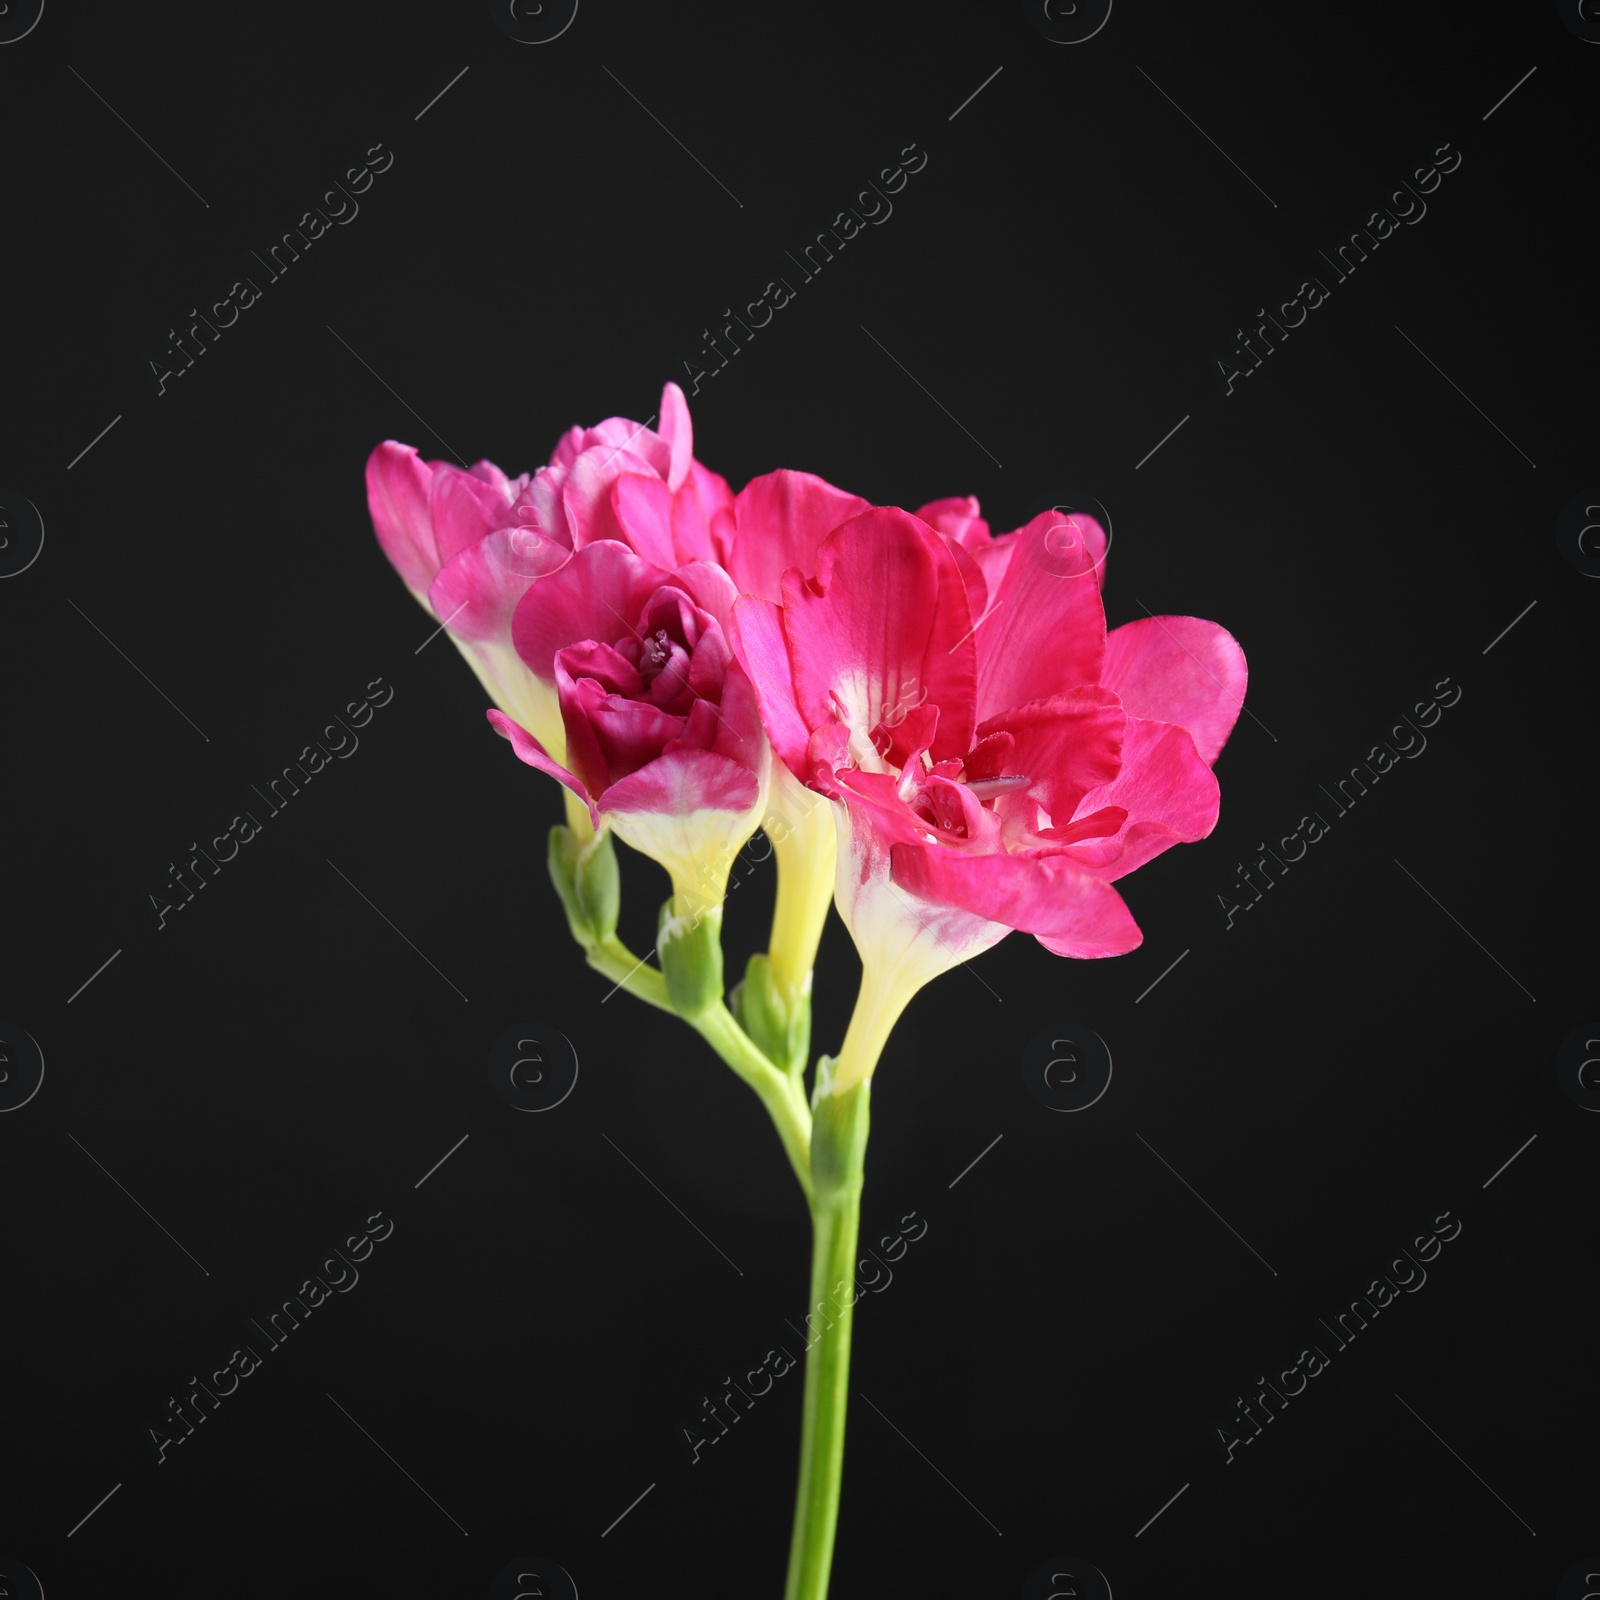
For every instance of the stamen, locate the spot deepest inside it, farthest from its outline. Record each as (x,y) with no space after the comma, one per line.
(993,788)
(654,653)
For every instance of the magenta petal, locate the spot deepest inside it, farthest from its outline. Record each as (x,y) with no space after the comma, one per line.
(465,507)
(1046,629)
(977,586)
(701,509)
(1169,793)
(626,734)
(1182,670)
(740,735)
(397,496)
(608,666)
(529,749)
(677,433)
(781,519)
(642,508)
(957,517)
(586,495)
(682,782)
(1068,745)
(596,595)
(879,630)
(758,643)
(477,590)
(709,587)
(1069,911)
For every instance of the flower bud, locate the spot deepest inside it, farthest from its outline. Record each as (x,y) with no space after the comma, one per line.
(690,949)
(838,1137)
(779,1025)
(587,879)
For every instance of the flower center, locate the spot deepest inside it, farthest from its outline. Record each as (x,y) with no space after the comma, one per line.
(654,653)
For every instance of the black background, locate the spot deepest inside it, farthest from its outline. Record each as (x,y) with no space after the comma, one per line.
(278,1062)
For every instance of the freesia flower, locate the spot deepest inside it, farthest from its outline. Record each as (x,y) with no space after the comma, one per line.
(995,760)
(662,737)
(951,745)
(469,542)
(776,521)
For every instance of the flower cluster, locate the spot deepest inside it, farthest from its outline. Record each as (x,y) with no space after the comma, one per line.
(930,722)
(950,742)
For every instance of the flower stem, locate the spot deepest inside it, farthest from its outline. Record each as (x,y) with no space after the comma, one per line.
(838,1151)
(780,1093)
(617,962)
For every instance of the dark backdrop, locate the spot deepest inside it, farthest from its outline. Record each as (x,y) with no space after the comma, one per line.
(1296,1100)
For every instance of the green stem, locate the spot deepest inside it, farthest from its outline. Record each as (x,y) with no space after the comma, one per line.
(616,961)
(781,1094)
(838,1150)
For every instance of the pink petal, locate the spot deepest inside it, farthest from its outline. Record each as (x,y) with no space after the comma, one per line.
(1182,670)
(598,594)
(682,782)
(740,735)
(880,629)
(709,587)
(586,495)
(957,518)
(397,496)
(757,638)
(977,586)
(604,663)
(1069,911)
(1169,793)
(781,519)
(529,749)
(464,508)
(1065,532)
(677,432)
(539,507)
(610,737)
(477,590)
(642,507)
(702,516)
(1045,632)
(1069,744)
(622,433)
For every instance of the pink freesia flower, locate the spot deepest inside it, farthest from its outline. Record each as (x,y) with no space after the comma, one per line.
(995,759)
(662,736)
(468,543)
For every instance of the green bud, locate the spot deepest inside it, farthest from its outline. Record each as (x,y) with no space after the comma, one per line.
(587,878)
(778,1026)
(690,949)
(838,1137)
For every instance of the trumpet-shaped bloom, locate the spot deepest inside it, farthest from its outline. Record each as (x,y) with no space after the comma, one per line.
(662,737)
(468,543)
(996,760)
